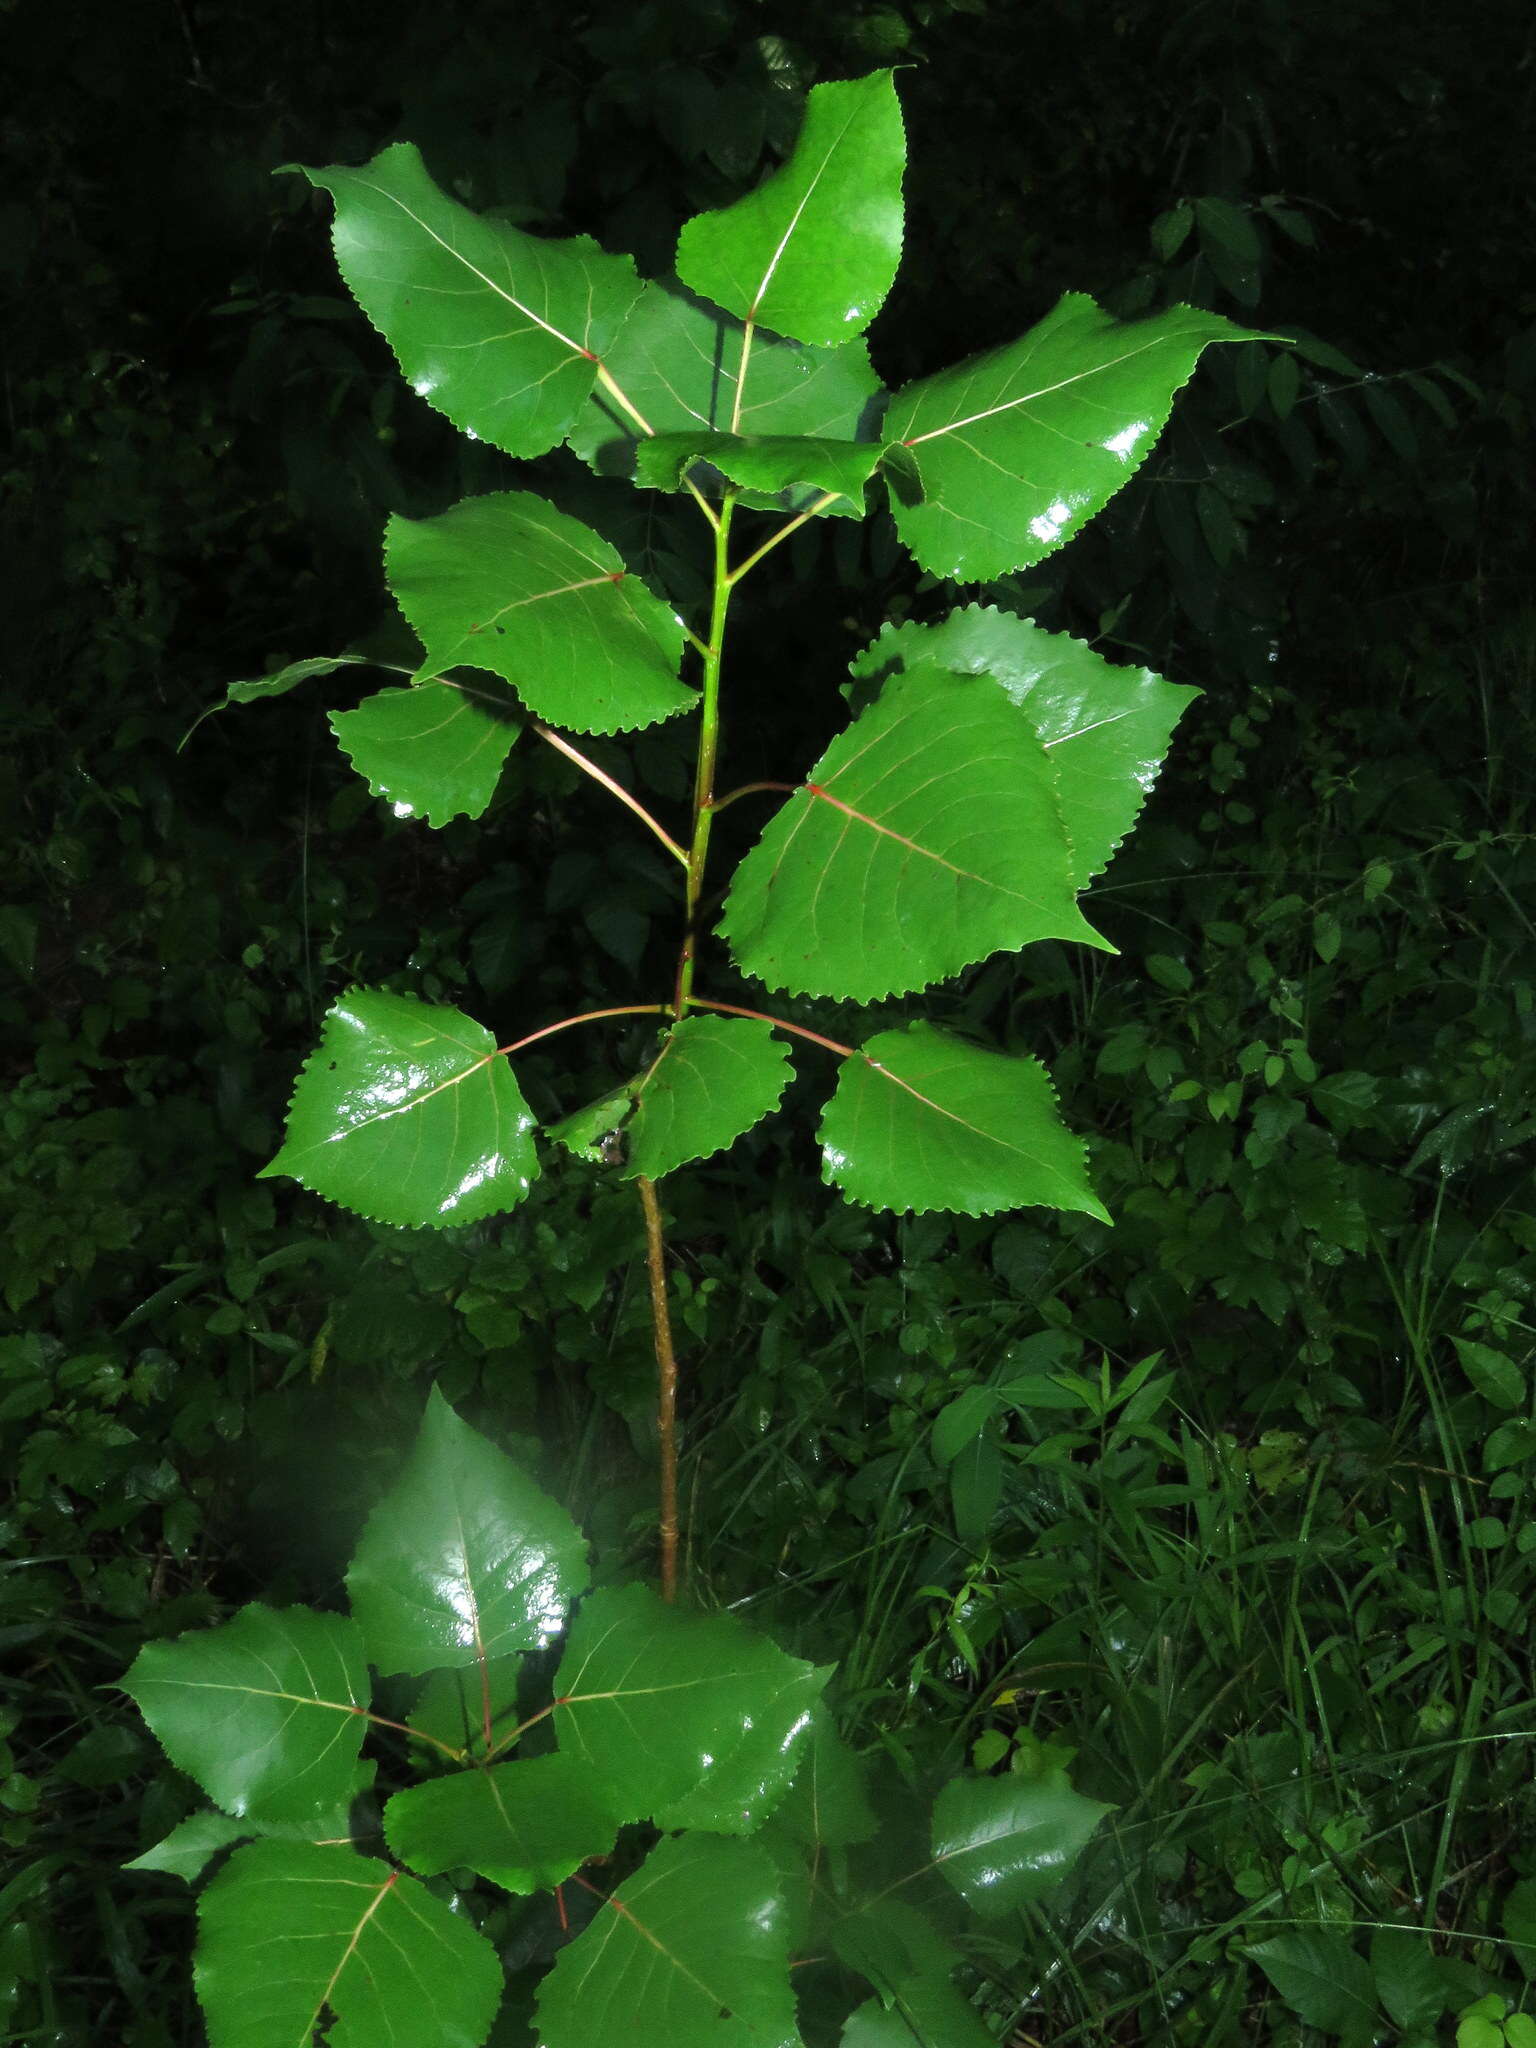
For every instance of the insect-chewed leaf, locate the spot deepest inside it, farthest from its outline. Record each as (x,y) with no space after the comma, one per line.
(692,1951)
(525,1826)
(1005,1842)
(435,751)
(498,329)
(813,251)
(505,582)
(1001,459)
(687,1719)
(265,1712)
(680,364)
(405,1112)
(292,1932)
(766,462)
(714,1078)
(464,1559)
(921,2011)
(1105,729)
(921,1120)
(927,836)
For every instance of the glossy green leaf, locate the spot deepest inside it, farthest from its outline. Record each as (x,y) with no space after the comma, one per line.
(679,363)
(926,2012)
(499,330)
(505,582)
(1003,458)
(1322,1978)
(464,1559)
(690,1952)
(920,1120)
(191,1845)
(1006,1842)
(435,751)
(525,1826)
(1105,729)
(689,1719)
(265,1712)
(714,1078)
(827,1807)
(926,837)
(406,1113)
(770,462)
(292,1932)
(813,250)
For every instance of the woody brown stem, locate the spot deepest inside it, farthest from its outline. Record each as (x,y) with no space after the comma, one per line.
(666,1382)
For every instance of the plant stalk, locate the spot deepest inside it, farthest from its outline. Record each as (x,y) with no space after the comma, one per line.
(709,746)
(666,1382)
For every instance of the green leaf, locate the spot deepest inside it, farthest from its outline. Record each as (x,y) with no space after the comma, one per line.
(692,1951)
(505,582)
(1497,1378)
(714,1078)
(1005,457)
(499,330)
(276,685)
(435,751)
(813,251)
(926,837)
(291,1932)
(826,1807)
(1519,1923)
(464,1559)
(1006,1842)
(525,1826)
(1407,1977)
(265,1712)
(1322,1979)
(406,1113)
(767,463)
(920,1120)
(191,1845)
(451,1705)
(922,2013)
(891,1944)
(679,362)
(689,1719)
(1106,729)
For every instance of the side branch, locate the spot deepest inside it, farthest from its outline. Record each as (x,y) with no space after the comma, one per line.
(666,1382)
(587,1017)
(812,511)
(845,1052)
(613,788)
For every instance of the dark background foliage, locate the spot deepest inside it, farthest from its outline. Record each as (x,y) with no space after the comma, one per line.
(1275,1591)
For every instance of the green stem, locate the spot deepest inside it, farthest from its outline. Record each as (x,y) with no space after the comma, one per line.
(812,511)
(709,745)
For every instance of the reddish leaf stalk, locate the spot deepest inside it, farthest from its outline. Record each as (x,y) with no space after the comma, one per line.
(666,1382)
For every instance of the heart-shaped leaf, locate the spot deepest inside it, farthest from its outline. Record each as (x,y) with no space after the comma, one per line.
(406,1113)
(768,462)
(689,1719)
(1105,729)
(714,1078)
(525,1826)
(501,331)
(1001,459)
(1006,1842)
(505,582)
(678,362)
(435,751)
(920,1120)
(292,1932)
(464,1559)
(692,1951)
(924,2012)
(813,250)
(265,1712)
(927,836)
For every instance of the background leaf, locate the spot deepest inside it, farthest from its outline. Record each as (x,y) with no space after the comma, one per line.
(406,1113)
(526,1826)
(290,1930)
(499,330)
(1318,1973)
(435,751)
(464,1559)
(505,582)
(921,1120)
(1006,1842)
(922,2013)
(1006,456)
(813,250)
